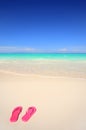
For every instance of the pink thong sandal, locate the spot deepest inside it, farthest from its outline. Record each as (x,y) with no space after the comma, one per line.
(15,114)
(28,114)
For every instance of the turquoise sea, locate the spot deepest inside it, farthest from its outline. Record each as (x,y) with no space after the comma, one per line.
(49,64)
(56,56)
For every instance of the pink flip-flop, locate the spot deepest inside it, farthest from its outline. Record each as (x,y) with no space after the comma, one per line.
(15,114)
(28,114)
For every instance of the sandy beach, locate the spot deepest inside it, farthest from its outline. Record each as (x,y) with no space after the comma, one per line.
(43,64)
(60,101)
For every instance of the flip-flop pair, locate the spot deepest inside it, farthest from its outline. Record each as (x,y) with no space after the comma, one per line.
(16,112)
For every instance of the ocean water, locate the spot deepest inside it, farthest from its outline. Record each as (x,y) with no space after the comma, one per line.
(51,64)
(51,56)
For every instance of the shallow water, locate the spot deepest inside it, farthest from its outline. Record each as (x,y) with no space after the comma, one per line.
(51,68)
(73,65)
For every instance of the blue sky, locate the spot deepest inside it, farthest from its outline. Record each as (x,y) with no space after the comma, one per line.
(43,25)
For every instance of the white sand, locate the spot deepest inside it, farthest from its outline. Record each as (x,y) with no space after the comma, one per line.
(60,102)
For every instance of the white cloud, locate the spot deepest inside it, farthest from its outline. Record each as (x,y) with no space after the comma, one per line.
(16,49)
(29,49)
(63,50)
(6,47)
(78,49)
(72,50)
(23,49)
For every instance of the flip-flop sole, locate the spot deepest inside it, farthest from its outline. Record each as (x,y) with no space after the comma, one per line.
(29,114)
(15,114)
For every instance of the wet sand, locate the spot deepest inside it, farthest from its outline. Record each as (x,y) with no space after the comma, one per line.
(64,68)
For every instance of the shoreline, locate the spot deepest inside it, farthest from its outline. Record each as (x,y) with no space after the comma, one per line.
(38,75)
(73,69)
